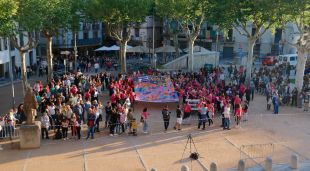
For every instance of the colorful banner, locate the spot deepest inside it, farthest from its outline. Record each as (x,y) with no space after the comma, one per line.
(155,89)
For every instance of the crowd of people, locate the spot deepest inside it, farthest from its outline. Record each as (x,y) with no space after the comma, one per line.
(68,103)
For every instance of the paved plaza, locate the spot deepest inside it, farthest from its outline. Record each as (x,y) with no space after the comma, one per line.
(288,131)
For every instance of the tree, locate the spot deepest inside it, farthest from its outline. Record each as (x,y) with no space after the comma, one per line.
(120,17)
(20,18)
(189,14)
(261,15)
(298,12)
(54,15)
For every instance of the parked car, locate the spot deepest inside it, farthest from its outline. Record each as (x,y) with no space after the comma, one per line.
(269,60)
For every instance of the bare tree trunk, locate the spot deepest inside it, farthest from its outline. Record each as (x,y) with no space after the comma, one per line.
(122,54)
(191,54)
(22,56)
(300,69)
(49,58)
(176,44)
(249,62)
(300,72)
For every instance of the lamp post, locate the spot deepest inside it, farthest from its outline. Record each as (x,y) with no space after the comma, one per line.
(11,72)
(75,53)
(154,63)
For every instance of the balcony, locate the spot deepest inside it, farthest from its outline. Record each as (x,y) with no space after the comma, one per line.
(87,42)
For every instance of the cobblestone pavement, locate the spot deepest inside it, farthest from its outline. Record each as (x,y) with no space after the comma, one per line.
(288,132)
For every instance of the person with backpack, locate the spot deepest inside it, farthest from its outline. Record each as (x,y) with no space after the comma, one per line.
(166,117)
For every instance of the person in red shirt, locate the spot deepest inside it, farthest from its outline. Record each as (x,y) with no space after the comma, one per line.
(238,114)
(187,110)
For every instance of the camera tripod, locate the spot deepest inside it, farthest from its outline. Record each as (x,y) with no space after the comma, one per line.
(193,155)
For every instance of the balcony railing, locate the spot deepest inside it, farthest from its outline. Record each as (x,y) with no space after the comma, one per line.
(87,42)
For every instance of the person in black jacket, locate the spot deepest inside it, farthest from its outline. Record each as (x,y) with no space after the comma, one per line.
(166,117)
(113,121)
(108,111)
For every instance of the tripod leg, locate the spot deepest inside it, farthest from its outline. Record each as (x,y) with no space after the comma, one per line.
(188,139)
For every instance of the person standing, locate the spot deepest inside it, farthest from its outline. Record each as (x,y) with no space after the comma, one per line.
(179,118)
(166,117)
(187,111)
(306,102)
(144,120)
(203,117)
(238,114)
(226,117)
(45,122)
(108,112)
(275,102)
(113,121)
(91,124)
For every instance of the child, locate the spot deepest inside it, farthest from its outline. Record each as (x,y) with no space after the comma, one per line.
(269,103)
(45,122)
(134,127)
(74,128)
(64,128)
(245,111)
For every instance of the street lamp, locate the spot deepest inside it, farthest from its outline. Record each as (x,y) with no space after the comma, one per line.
(75,53)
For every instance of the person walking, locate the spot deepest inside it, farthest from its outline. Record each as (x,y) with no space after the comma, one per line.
(144,120)
(179,118)
(166,117)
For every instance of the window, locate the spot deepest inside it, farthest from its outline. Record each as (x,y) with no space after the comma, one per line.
(5,44)
(137,34)
(293,58)
(85,35)
(95,34)
(0,44)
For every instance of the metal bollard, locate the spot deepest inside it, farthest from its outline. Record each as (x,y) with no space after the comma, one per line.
(153,169)
(268,164)
(294,161)
(213,167)
(241,165)
(184,168)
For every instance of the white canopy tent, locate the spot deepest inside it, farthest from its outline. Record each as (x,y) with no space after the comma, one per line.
(166,49)
(103,48)
(112,48)
(139,49)
(197,49)
(117,48)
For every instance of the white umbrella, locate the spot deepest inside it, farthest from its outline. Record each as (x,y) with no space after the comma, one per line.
(117,48)
(198,49)
(166,49)
(103,48)
(139,49)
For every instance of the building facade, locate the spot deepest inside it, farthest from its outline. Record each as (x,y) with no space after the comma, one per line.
(88,38)
(31,57)
(143,34)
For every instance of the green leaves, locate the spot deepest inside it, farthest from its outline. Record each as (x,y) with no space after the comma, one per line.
(119,11)
(8,10)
